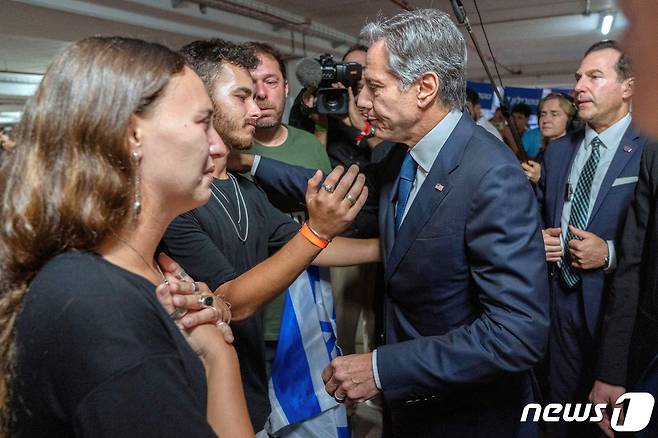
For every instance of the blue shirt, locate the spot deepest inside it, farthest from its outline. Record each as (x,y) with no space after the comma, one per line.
(427,149)
(531,141)
(611,138)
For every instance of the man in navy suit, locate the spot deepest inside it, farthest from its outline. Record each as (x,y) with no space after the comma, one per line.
(466,293)
(587,182)
(628,354)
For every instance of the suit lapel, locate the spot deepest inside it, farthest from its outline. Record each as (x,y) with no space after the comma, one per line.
(387,200)
(429,197)
(576,140)
(619,161)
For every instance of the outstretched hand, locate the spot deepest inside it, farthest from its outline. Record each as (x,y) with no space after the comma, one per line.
(334,204)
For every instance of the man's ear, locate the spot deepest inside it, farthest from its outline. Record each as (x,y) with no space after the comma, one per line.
(627,88)
(286,95)
(428,88)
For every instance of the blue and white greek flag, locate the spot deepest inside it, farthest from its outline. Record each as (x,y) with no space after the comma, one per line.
(307,342)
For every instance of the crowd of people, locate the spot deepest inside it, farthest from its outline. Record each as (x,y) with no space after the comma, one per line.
(156,209)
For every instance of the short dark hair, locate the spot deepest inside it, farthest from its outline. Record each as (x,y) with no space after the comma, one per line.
(472,96)
(623,66)
(521,108)
(266,49)
(207,57)
(355,48)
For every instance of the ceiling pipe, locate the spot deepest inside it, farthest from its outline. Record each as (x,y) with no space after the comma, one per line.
(404,4)
(278,19)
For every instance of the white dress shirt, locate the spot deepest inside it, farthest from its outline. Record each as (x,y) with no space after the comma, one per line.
(611,138)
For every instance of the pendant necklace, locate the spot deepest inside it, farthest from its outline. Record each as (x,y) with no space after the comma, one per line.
(239,199)
(158,272)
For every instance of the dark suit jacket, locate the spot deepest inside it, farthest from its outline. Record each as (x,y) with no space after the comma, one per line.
(466,294)
(630,325)
(608,212)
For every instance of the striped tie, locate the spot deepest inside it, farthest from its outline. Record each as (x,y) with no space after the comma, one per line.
(580,207)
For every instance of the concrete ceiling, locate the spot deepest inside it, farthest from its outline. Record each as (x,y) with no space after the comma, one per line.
(536,42)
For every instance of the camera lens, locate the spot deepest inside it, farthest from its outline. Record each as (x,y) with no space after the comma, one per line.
(332,103)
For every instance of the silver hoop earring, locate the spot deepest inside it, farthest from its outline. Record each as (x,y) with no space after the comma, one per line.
(137,203)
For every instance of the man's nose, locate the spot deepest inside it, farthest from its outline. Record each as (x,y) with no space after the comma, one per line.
(364,100)
(253,112)
(261,90)
(216,145)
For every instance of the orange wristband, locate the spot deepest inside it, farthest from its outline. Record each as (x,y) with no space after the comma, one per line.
(313,237)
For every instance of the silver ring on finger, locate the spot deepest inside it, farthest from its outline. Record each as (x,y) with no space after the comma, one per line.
(339,399)
(220,323)
(217,314)
(206,301)
(349,198)
(195,287)
(178,313)
(328,188)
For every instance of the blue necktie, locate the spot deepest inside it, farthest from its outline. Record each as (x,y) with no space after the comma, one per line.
(407,177)
(580,207)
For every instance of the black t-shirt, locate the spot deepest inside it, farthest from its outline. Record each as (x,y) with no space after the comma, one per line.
(98,356)
(205,243)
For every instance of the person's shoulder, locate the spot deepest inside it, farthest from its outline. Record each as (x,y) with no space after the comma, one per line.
(81,280)
(651,154)
(563,145)
(69,269)
(304,136)
(651,148)
(487,125)
(244,182)
(248,187)
(486,148)
(532,134)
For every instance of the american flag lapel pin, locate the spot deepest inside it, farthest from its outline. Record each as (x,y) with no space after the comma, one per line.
(627,148)
(439,187)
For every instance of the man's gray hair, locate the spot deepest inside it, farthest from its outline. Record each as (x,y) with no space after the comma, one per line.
(420,41)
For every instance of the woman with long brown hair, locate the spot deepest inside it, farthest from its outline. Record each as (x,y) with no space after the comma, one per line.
(116,142)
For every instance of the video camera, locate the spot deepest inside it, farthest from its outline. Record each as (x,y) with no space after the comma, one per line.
(331,100)
(319,74)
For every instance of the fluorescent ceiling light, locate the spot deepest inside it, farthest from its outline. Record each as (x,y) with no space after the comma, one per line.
(10,116)
(606,23)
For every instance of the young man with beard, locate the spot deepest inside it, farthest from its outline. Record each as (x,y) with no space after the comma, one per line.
(226,243)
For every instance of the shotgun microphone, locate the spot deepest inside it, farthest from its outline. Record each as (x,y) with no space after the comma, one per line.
(458,9)
(462,18)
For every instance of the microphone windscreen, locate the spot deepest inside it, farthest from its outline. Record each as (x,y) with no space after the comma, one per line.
(309,73)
